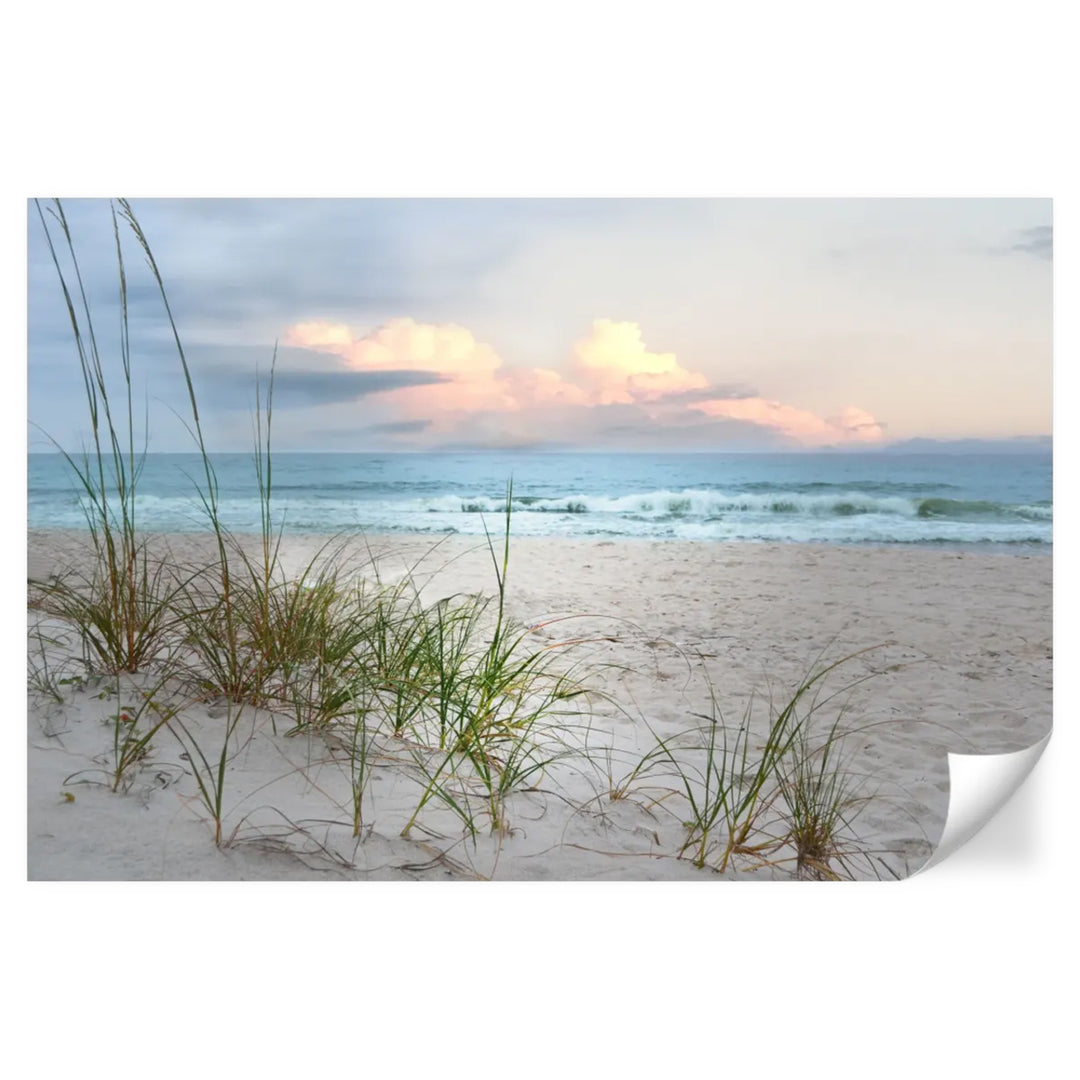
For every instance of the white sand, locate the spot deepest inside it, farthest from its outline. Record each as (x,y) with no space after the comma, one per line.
(967,668)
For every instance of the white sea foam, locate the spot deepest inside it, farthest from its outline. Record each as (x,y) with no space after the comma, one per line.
(825,504)
(685,503)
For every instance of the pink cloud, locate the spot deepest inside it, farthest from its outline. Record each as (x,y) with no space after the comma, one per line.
(323,336)
(448,349)
(400,343)
(617,368)
(611,365)
(853,424)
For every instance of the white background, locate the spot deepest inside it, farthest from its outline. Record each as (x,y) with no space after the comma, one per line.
(965,968)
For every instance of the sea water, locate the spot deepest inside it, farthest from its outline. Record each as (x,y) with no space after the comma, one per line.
(1002,500)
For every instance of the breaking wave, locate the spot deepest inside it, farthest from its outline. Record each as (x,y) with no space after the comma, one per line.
(593,501)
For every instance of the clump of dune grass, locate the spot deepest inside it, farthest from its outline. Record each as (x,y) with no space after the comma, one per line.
(749,797)
(252,629)
(130,610)
(724,780)
(723,786)
(125,629)
(270,643)
(502,708)
(820,796)
(400,651)
(124,607)
(257,636)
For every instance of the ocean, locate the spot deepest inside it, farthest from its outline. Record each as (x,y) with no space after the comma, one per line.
(1004,501)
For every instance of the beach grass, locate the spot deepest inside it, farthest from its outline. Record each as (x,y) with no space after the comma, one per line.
(126,607)
(237,628)
(43,676)
(820,799)
(131,736)
(749,795)
(361,750)
(209,766)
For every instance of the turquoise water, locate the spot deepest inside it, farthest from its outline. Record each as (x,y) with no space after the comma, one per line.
(837,498)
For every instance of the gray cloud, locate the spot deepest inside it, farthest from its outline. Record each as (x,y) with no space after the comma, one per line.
(721,392)
(398,427)
(504,442)
(1038,241)
(876,251)
(295,388)
(357,437)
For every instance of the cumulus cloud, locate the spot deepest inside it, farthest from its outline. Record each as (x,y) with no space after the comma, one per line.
(615,365)
(609,367)
(465,366)
(852,425)
(324,336)
(529,387)
(859,424)
(400,343)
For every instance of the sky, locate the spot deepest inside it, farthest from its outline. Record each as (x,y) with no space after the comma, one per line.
(566,324)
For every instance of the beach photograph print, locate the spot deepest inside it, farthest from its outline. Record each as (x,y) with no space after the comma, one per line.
(530,539)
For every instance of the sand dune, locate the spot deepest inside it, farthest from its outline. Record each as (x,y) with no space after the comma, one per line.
(667,631)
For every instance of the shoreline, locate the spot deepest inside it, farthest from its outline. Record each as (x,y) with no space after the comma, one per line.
(982,547)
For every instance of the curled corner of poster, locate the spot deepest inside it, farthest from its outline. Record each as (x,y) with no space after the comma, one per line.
(979,786)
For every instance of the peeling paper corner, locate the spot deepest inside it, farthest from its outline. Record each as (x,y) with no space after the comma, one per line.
(979,786)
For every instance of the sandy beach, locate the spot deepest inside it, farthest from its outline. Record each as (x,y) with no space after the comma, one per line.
(664,634)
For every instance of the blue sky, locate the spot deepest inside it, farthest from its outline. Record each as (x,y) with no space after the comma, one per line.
(696,324)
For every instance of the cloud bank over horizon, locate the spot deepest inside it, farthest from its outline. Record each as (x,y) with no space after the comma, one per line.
(680,324)
(611,365)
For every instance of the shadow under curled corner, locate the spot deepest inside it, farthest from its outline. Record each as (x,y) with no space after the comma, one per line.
(979,786)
